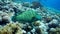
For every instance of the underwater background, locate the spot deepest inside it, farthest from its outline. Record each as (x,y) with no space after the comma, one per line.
(50,3)
(29,16)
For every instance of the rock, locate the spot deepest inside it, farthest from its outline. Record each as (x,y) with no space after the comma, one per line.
(36,23)
(36,4)
(33,30)
(26,4)
(27,28)
(54,23)
(52,29)
(4,18)
(24,32)
(38,31)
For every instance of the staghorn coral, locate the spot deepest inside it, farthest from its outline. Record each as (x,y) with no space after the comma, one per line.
(11,28)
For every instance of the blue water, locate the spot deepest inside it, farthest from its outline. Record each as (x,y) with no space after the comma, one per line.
(49,3)
(52,3)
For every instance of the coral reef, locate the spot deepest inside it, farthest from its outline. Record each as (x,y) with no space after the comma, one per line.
(28,18)
(11,28)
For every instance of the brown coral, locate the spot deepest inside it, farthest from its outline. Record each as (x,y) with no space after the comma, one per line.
(11,28)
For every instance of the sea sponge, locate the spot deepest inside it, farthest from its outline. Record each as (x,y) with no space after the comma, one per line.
(11,28)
